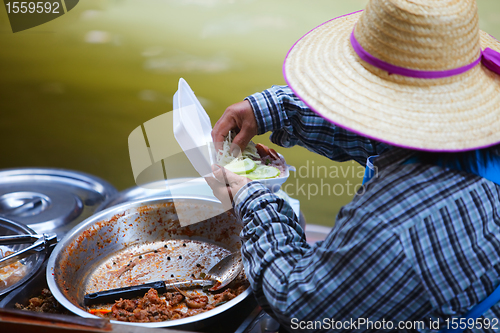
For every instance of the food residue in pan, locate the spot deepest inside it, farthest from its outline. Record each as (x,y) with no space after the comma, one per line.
(155,261)
(171,260)
(153,307)
(44,302)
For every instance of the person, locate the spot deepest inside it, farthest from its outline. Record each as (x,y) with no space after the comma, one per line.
(417,83)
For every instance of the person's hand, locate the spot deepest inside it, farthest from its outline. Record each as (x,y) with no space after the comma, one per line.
(240,118)
(225,185)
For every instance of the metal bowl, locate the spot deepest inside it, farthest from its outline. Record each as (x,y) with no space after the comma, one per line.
(83,251)
(33,262)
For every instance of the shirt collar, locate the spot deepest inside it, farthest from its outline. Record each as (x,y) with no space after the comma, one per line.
(392,156)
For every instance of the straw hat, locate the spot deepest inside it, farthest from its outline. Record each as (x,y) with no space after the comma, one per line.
(432,38)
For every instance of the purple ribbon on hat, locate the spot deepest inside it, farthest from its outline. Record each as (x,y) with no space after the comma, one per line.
(489,58)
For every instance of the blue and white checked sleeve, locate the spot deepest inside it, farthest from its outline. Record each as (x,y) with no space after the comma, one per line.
(292,123)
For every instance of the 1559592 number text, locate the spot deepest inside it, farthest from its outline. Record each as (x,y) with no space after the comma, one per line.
(25,7)
(471,323)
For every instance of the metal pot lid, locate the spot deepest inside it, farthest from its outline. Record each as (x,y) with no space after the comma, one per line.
(48,199)
(30,265)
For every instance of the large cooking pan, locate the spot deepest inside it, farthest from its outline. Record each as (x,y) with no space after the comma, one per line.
(79,263)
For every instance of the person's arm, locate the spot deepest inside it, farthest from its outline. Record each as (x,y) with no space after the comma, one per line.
(292,123)
(355,273)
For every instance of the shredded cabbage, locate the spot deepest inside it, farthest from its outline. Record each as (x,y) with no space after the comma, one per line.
(225,157)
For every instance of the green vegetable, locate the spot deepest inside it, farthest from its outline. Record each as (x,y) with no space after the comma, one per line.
(241,166)
(263,172)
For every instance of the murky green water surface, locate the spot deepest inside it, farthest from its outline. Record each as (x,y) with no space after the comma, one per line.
(73,89)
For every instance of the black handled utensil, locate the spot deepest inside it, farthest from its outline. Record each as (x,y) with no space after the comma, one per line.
(110,296)
(220,275)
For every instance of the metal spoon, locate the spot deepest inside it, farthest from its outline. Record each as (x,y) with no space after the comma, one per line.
(219,276)
(225,270)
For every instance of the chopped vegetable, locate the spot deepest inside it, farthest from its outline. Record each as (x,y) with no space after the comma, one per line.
(224,155)
(241,166)
(263,172)
(251,162)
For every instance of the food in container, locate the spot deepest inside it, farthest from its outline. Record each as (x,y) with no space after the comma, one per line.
(44,302)
(256,161)
(174,259)
(11,274)
(158,307)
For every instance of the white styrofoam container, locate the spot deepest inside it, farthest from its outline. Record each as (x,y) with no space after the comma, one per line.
(192,130)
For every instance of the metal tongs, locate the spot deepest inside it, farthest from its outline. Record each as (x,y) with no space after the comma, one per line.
(40,242)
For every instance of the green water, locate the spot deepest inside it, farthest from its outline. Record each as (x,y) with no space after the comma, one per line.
(73,89)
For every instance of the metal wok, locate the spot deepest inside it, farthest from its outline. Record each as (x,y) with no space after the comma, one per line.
(79,262)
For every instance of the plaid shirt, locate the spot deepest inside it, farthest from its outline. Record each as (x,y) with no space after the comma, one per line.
(422,243)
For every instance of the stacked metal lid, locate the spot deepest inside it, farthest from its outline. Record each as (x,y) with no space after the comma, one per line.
(51,200)
(45,203)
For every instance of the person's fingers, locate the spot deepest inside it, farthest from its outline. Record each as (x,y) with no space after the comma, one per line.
(219,174)
(221,128)
(213,183)
(225,184)
(238,117)
(242,139)
(230,177)
(235,150)
(228,182)
(221,191)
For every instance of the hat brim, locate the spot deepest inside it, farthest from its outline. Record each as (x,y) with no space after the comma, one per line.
(457,113)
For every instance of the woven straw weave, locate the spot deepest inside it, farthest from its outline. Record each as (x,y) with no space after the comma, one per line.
(457,113)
